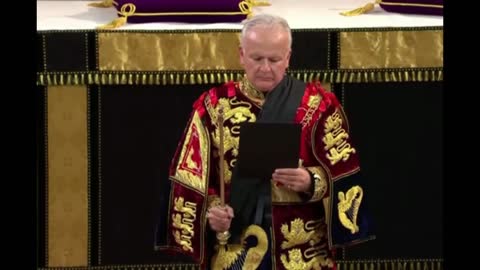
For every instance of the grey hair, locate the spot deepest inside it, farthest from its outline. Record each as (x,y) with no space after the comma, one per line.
(266,20)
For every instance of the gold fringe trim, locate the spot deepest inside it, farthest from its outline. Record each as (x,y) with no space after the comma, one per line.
(413,264)
(333,76)
(427,264)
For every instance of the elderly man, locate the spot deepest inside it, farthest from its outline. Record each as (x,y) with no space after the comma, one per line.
(296,217)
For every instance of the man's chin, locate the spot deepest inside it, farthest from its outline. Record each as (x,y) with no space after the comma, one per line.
(265,86)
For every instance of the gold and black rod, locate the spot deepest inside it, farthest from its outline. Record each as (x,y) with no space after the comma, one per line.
(221,155)
(222,237)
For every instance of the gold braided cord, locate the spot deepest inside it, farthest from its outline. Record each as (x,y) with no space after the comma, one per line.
(410,4)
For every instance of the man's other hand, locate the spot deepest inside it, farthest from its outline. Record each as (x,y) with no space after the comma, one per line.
(220,218)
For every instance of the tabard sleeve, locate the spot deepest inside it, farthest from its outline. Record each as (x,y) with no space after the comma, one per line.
(347,214)
(189,176)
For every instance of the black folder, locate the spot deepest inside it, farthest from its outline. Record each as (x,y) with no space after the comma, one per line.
(264,147)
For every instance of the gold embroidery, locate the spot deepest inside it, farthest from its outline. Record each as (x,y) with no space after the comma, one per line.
(230,142)
(333,122)
(241,113)
(255,254)
(296,262)
(345,150)
(251,92)
(184,241)
(185,225)
(335,140)
(213,200)
(231,256)
(190,172)
(313,102)
(319,227)
(225,258)
(191,164)
(320,254)
(237,115)
(320,183)
(319,250)
(348,206)
(236,112)
(185,207)
(183,220)
(296,235)
(320,187)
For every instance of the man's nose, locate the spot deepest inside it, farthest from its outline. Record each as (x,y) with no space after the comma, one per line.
(265,65)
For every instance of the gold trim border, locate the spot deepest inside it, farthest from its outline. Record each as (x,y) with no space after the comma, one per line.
(379,264)
(100,184)
(67,175)
(215,77)
(400,264)
(131,267)
(90,180)
(45,137)
(410,4)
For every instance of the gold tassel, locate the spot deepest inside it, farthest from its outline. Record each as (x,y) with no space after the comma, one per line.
(103,4)
(115,23)
(361,10)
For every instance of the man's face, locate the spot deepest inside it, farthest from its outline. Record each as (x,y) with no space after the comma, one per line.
(265,55)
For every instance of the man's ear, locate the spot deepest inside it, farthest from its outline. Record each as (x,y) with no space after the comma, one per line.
(288,58)
(241,54)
